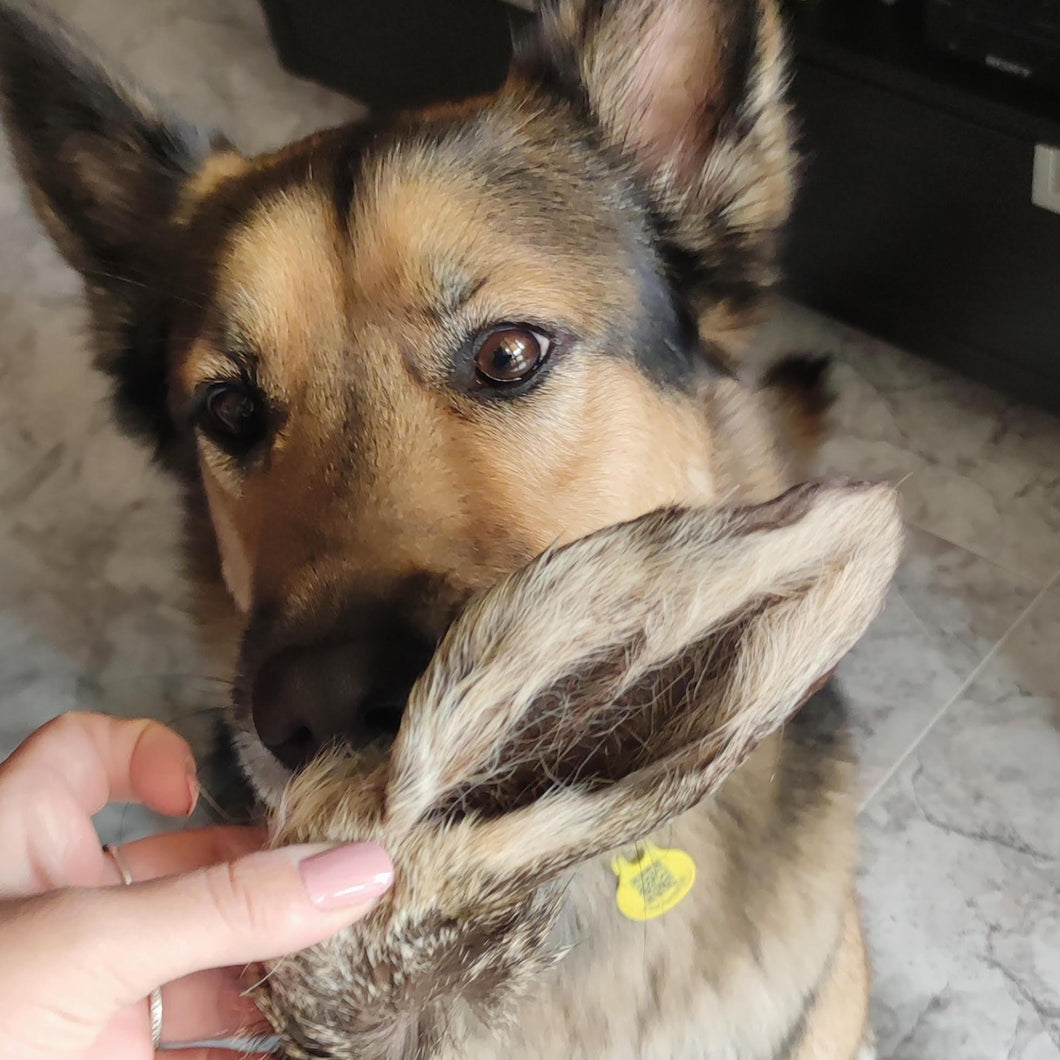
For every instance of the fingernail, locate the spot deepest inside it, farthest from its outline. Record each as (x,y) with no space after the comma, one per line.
(347,876)
(193,795)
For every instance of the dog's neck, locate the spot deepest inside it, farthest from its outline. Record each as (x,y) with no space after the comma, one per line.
(709,966)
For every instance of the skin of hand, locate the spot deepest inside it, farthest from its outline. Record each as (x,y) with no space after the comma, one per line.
(80,952)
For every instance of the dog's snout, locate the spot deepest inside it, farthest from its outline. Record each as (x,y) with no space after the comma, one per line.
(345,689)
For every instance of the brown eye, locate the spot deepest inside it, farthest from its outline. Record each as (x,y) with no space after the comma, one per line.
(511,354)
(233,414)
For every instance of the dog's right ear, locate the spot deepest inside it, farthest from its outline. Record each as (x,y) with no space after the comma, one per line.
(105,171)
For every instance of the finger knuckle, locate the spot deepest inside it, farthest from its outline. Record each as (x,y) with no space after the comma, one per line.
(239,900)
(62,726)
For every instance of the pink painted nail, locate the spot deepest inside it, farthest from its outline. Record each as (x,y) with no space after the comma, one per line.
(347,876)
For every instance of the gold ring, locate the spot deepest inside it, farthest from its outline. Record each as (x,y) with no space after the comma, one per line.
(154,999)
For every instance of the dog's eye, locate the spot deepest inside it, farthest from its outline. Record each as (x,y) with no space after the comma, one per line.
(231,413)
(511,354)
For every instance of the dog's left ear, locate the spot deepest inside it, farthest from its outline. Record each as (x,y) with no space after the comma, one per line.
(105,170)
(691,94)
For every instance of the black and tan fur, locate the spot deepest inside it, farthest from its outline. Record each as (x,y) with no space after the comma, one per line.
(620,198)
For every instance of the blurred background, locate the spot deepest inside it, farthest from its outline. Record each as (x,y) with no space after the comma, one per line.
(930,211)
(924,257)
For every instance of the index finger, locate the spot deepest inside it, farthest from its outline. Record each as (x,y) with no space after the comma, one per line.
(69,770)
(97,759)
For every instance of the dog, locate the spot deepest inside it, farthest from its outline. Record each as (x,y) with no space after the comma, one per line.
(397,362)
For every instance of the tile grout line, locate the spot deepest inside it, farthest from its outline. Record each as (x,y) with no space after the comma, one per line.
(958,692)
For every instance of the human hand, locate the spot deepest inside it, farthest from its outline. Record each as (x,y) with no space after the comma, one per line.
(79,953)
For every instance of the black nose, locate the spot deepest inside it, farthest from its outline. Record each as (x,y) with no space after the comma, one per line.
(345,689)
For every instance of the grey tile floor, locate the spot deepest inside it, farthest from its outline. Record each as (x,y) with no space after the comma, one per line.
(955,690)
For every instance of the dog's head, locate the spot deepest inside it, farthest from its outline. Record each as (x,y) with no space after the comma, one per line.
(400,359)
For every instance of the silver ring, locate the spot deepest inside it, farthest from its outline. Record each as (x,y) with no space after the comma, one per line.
(154,999)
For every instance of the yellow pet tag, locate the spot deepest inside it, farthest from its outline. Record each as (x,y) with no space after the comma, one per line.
(653,883)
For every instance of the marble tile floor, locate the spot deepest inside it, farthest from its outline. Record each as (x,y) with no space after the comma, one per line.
(955,691)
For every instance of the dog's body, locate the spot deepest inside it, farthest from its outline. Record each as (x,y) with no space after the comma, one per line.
(763,959)
(394,363)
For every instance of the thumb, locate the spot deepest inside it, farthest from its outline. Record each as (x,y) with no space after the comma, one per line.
(260,907)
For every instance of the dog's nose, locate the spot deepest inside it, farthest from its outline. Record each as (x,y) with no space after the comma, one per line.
(349,689)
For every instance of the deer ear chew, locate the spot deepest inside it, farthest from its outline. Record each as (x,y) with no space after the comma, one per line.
(572,711)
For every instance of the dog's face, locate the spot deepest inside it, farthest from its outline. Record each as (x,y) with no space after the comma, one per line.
(421,365)
(400,360)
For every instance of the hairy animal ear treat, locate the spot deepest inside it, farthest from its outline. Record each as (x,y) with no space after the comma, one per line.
(576,708)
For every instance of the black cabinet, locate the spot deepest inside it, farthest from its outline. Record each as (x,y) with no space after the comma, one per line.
(396,53)
(915,218)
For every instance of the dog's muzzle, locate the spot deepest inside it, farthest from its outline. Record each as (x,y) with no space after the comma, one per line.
(349,687)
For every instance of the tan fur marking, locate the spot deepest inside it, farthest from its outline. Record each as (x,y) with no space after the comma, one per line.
(218,168)
(282,280)
(236,566)
(836,1024)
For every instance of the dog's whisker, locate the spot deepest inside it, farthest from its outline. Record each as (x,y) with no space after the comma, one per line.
(101,274)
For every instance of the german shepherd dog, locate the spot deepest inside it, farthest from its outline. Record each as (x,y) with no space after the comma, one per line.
(491,352)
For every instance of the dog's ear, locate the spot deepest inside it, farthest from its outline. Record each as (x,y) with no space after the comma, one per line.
(691,94)
(105,170)
(617,681)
